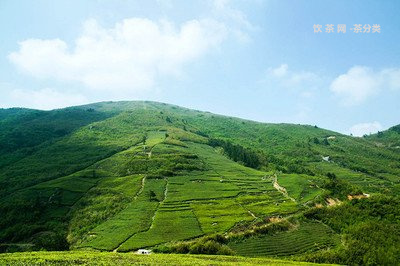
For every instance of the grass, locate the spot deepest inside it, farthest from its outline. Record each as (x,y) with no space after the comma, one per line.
(108,258)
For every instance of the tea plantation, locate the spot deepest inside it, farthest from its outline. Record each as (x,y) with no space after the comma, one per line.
(120,176)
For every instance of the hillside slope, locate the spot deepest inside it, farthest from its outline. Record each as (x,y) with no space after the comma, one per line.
(119,176)
(389,138)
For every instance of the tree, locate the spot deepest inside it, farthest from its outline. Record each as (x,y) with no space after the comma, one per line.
(331,176)
(152,196)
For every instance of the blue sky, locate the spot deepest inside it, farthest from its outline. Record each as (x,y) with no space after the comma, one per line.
(253,59)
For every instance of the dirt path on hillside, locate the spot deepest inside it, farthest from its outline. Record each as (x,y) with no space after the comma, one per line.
(250,212)
(151,150)
(141,188)
(152,218)
(134,198)
(244,208)
(280,188)
(160,203)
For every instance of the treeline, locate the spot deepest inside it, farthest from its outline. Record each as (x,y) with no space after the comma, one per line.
(211,245)
(395,129)
(257,160)
(20,224)
(237,153)
(287,165)
(370,228)
(340,188)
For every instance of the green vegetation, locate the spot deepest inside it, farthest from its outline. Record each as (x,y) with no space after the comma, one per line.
(110,258)
(219,215)
(129,175)
(306,237)
(389,138)
(370,228)
(237,153)
(302,188)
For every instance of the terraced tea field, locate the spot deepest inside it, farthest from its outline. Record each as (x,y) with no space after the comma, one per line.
(166,187)
(368,183)
(307,237)
(302,188)
(209,194)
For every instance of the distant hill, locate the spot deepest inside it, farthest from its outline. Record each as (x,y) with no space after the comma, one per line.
(119,176)
(389,138)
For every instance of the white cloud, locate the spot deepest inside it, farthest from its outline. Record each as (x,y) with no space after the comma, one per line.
(282,76)
(358,84)
(233,16)
(279,71)
(45,99)
(361,83)
(365,128)
(128,57)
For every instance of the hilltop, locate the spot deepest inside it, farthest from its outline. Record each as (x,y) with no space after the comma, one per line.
(119,176)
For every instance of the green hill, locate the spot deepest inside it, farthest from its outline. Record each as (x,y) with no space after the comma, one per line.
(119,176)
(389,138)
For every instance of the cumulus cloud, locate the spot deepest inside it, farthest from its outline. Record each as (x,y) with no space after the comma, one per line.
(361,83)
(358,84)
(365,128)
(127,57)
(45,99)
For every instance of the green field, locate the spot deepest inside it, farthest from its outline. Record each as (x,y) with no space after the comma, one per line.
(106,258)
